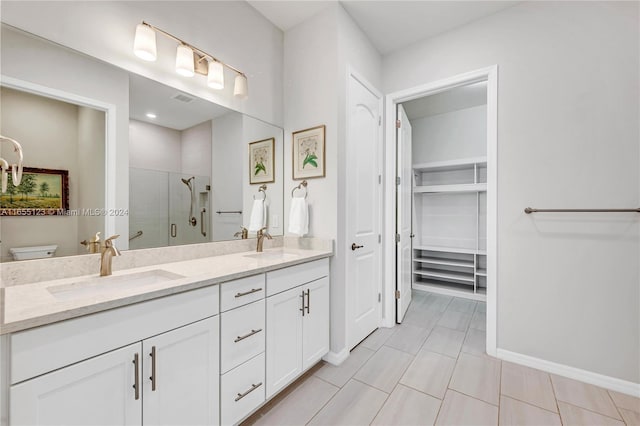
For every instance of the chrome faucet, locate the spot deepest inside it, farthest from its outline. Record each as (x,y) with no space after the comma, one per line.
(243,232)
(261,236)
(109,250)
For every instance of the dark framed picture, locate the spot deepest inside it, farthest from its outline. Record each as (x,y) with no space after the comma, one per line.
(261,161)
(308,153)
(41,192)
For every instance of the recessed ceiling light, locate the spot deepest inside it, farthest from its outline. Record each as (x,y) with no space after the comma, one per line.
(151,115)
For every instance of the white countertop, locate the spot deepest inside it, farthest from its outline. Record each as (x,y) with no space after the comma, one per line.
(32,305)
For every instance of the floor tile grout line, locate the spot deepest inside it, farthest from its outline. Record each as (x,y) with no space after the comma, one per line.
(528,403)
(326,403)
(592,411)
(423,392)
(615,405)
(383,403)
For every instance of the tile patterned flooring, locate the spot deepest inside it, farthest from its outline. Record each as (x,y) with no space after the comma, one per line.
(432,369)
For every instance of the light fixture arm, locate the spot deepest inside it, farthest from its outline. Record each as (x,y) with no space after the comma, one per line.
(201,53)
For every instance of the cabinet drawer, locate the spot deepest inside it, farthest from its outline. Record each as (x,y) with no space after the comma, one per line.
(240,292)
(242,334)
(242,390)
(284,279)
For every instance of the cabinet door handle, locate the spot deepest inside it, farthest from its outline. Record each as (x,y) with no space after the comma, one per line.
(308,300)
(174,230)
(242,395)
(239,338)
(302,296)
(253,290)
(136,384)
(153,376)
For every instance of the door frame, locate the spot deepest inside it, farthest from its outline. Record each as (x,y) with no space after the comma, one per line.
(490,75)
(352,73)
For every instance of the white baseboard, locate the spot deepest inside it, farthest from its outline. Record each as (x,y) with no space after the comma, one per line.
(336,358)
(607,382)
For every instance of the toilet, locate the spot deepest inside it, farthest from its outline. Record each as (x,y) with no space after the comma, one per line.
(36,252)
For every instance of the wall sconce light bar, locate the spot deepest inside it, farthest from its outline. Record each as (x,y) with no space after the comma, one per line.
(202,61)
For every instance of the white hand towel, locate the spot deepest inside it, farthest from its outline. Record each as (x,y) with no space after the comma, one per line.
(299,216)
(258,216)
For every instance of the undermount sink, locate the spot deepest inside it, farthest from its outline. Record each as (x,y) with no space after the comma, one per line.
(98,286)
(272,255)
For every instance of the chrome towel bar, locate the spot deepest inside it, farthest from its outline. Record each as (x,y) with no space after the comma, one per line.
(530,210)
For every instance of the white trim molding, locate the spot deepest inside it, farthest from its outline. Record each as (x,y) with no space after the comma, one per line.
(336,358)
(590,377)
(490,75)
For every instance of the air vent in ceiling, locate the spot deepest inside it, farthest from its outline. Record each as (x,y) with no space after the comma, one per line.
(183,98)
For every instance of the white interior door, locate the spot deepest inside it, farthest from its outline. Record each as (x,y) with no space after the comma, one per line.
(363,266)
(404,197)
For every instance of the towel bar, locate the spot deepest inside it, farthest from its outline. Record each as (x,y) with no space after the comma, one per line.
(530,210)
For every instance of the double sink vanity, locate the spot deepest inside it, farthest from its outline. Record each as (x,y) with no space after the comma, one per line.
(204,341)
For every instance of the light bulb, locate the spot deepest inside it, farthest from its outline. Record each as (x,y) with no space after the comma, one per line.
(184,61)
(240,88)
(215,77)
(144,44)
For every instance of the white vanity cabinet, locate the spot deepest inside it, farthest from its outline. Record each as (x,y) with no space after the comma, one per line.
(297,321)
(62,374)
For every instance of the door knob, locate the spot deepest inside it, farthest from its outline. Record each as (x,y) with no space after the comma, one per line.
(354,246)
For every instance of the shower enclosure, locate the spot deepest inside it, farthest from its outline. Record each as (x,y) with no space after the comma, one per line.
(169,208)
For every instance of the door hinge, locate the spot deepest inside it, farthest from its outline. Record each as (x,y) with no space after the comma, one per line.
(379,179)
(397,238)
(397,180)
(379,297)
(379,120)
(379,238)
(397,294)
(398,124)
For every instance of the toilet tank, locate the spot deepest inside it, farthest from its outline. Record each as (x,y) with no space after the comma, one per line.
(36,252)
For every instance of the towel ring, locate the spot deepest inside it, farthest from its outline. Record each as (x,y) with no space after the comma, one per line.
(303,185)
(263,189)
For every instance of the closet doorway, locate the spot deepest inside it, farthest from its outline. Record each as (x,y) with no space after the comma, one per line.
(445,191)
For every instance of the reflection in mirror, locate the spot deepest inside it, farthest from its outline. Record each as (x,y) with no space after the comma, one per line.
(55,135)
(189,169)
(46,110)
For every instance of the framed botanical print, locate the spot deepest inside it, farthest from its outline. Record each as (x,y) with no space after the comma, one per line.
(308,153)
(261,161)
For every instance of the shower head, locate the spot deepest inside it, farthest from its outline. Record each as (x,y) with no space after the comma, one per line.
(187,181)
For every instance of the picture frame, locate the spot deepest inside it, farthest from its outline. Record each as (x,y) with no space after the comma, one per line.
(42,192)
(262,161)
(309,153)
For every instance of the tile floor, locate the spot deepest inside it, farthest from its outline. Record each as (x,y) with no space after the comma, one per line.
(433,369)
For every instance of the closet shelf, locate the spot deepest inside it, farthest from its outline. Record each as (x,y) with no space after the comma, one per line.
(444,262)
(449,165)
(465,187)
(446,275)
(450,249)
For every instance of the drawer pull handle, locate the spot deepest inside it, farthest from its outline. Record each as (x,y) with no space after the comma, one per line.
(239,338)
(136,383)
(242,395)
(153,368)
(253,290)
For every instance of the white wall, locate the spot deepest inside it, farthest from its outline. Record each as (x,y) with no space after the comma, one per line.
(154,147)
(196,149)
(23,58)
(568,285)
(450,136)
(230,30)
(317,55)
(226,176)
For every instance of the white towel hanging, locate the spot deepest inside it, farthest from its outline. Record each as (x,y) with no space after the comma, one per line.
(258,216)
(299,216)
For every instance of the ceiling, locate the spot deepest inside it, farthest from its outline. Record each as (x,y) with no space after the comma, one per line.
(148,96)
(390,24)
(450,100)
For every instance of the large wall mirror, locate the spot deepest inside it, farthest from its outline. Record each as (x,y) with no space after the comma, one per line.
(187,177)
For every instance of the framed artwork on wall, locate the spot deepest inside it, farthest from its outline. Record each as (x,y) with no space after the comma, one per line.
(261,161)
(308,153)
(41,192)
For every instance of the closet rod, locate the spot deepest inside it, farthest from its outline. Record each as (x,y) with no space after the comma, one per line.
(529,210)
